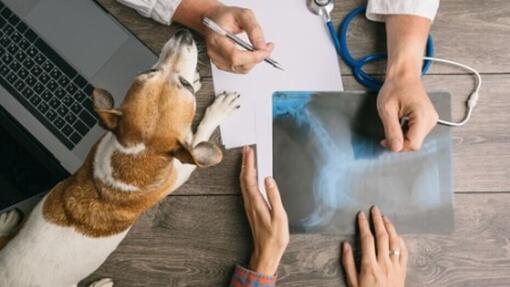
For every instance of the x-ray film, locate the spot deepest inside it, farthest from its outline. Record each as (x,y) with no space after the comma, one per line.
(329,164)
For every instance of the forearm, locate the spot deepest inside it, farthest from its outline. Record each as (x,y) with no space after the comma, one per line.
(406,40)
(190,13)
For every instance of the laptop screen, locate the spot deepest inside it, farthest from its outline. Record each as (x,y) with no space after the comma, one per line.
(27,169)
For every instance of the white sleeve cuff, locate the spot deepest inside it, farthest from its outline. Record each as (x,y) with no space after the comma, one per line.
(378,9)
(159,10)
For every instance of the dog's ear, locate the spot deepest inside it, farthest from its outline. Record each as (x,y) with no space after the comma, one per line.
(204,154)
(103,105)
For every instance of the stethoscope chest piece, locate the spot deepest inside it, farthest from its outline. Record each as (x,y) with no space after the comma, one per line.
(322,8)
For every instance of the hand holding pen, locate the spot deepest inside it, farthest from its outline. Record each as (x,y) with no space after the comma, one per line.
(224,52)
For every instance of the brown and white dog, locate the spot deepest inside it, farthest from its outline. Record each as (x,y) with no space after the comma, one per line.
(149,150)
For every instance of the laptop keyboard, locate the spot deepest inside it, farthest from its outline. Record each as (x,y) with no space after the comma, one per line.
(43,82)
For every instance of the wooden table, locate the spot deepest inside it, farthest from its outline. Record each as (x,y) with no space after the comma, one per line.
(197,235)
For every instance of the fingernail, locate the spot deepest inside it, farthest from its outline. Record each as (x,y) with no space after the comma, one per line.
(361,215)
(346,247)
(375,209)
(384,143)
(385,219)
(395,145)
(269,182)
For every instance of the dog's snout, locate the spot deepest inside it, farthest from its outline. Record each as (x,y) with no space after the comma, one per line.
(184,37)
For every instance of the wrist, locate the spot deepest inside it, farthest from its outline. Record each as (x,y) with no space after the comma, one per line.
(190,14)
(264,264)
(209,12)
(404,68)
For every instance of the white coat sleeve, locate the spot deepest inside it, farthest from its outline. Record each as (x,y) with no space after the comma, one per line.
(378,9)
(160,10)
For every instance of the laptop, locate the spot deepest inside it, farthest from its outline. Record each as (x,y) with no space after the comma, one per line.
(52,55)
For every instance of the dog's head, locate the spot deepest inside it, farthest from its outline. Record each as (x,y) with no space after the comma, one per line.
(159,107)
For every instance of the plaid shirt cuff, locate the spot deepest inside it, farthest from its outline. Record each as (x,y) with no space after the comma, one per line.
(246,278)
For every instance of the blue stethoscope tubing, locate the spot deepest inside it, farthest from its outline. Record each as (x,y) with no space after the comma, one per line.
(340,41)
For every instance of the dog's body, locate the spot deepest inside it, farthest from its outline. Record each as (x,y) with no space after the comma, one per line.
(148,152)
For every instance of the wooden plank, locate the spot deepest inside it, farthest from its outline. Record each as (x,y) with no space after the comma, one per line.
(197,240)
(464,30)
(481,148)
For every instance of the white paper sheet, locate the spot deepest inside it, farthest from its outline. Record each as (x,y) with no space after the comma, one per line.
(303,48)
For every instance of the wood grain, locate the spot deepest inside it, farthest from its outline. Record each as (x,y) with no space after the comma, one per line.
(197,240)
(196,236)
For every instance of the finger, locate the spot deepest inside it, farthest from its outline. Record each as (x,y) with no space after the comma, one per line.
(381,235)
(273,196)
(349,265)
(242,58)
(392,130)
(367,240)
(249,184)
(218,61)
(394,239)
(248,22)
(404,253)
(248,172)
(419,127)
(244,69)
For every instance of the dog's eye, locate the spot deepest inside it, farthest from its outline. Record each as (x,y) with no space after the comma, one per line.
(148,72)
(186,84)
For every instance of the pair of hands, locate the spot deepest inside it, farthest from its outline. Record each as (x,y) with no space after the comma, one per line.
(402,94)
(270,231)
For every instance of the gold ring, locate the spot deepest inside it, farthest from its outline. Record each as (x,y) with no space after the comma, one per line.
(395,252)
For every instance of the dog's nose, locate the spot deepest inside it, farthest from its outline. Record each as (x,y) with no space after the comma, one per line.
(184,36)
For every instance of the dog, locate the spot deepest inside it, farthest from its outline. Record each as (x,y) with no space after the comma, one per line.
(147,152)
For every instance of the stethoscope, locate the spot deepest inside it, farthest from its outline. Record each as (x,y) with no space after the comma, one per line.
(323,8)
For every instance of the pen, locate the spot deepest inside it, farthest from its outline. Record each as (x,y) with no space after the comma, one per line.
(216,28)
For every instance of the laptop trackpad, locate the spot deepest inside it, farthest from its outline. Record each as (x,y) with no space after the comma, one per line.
(79,31)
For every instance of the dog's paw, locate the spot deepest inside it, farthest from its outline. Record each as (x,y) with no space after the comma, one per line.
(105,282)
(223,106)
(9,222)
(197,84)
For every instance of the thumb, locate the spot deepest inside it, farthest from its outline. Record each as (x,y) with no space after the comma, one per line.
(394,138)
(248,22)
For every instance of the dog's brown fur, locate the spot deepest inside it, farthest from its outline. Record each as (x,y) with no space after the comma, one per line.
(156,112)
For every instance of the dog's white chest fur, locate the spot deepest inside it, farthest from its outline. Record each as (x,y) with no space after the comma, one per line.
(44,254)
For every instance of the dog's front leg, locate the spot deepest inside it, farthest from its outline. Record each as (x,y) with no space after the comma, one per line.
(222,107)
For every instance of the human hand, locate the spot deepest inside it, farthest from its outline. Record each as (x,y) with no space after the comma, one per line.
(269,226)
(399,97)
(383,260)
(223,52)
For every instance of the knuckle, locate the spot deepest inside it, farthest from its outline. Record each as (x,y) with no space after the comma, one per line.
(382,236)
(366,268)
(386,108)
(210,54)
(247,12)
(368,238)
(233,59)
